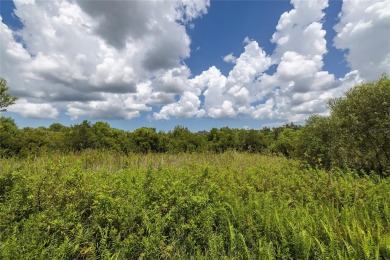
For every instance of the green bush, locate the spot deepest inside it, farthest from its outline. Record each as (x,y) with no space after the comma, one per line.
(188,206)
(357,132)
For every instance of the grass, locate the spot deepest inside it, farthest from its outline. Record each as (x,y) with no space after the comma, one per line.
(101,205)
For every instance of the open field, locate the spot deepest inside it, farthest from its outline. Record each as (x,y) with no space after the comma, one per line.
(232,205)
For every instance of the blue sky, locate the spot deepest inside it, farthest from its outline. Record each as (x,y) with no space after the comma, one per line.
(194,63)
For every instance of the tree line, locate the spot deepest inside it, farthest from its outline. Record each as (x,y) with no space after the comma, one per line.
(83,136)
(356,135)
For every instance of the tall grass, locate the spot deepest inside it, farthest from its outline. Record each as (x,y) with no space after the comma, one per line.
(192,206)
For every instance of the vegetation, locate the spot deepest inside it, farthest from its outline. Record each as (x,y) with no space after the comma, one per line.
(100,136)
(5,98)
(188,206)
(357,132)
(355,135)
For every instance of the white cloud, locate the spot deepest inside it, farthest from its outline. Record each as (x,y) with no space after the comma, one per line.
(225,95)
(300,30)
(300,87)
(265,110)
(230,58)
(294,90)
(32,110)
(172,81)
(187,106)
(81,51)
(364,31)
(226,110)
(93,61)
(251,63)
(113,106)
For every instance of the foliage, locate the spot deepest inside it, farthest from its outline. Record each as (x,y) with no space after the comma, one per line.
(286,142)
(100,136)
(182,140)
(223,139)
(362,119)
(145,140)
(5,98)
(355,135)
(9,137)
(98,205)
(357,132)
(316,142)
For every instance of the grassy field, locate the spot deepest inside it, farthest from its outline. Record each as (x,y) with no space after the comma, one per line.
(99,205)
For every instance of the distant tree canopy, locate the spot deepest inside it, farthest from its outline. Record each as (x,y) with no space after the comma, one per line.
(5,98)
(356,135)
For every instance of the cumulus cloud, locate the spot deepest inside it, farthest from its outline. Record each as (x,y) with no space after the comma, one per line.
(303,87)
(226,110)
(231,95)
(294,90)
(300,47)
(364,32)
(187,106)
(172,81)
(230,58)
(299,86)
(117,59)
(223,96)
(85,52)
(300,30)
(34,110)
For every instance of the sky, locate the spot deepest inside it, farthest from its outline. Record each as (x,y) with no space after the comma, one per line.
(195,63)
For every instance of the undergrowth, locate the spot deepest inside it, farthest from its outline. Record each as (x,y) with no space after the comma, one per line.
(100,205)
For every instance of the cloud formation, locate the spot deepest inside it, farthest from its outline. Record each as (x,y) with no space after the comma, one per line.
(35,110)
(364,32)
(116,59)
(230,58)
(81,56)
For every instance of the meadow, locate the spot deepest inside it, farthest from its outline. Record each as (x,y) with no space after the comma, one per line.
(107,205)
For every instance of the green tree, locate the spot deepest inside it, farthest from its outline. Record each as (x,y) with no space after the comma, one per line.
(362,119)
(58,134)
(223,139)
(103,138)
(183,140)
(286,141)
(316,141)
(357,132)
(81,136)
(251,140)
(5,98)
(145,140)
(35,140)
(10,141)
(57,127)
